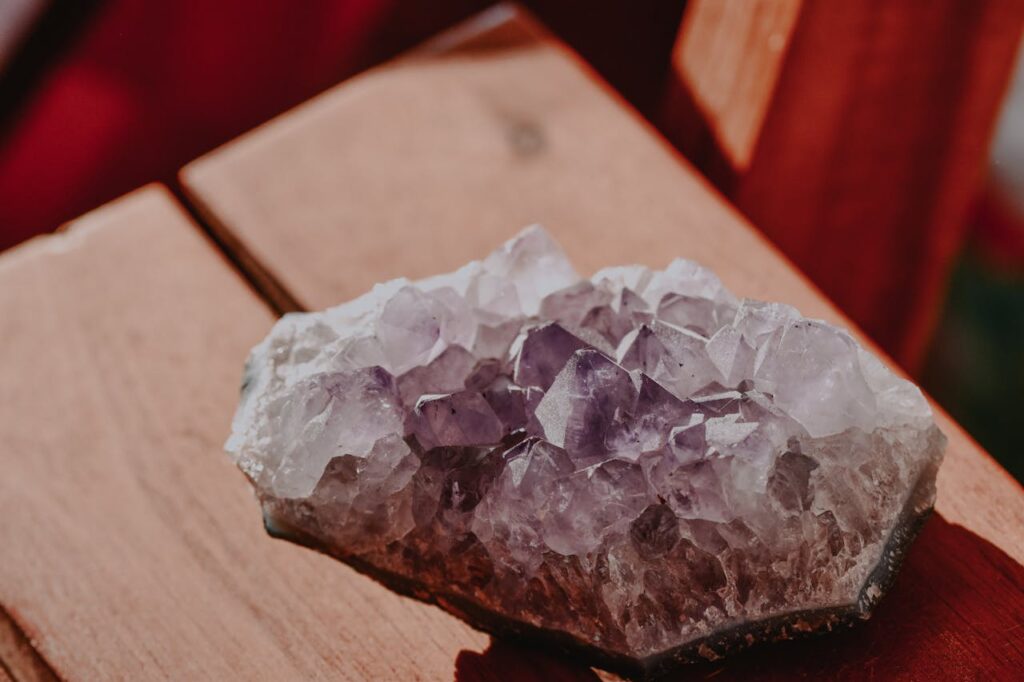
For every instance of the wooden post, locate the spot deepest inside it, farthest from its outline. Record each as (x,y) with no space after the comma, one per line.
(852,133)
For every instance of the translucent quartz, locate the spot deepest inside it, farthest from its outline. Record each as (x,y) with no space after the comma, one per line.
(639,466)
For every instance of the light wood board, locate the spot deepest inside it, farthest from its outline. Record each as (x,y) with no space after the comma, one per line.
(418,167)
(130,546)
(421,165)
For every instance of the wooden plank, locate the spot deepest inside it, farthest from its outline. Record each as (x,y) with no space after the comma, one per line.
(419,166)
(853,134)
(130,546)
(416,168)
(348,155)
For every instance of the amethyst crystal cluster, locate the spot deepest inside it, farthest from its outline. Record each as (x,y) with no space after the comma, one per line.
(638,466)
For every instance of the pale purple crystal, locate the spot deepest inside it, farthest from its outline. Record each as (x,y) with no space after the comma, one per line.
(463,418)
(542,353)
(640,465)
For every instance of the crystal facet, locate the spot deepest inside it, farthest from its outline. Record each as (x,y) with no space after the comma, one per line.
(639,467)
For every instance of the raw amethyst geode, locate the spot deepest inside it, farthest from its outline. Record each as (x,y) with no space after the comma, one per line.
(639,467)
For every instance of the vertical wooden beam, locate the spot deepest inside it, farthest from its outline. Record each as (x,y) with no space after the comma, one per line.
(852,133)
(730,54)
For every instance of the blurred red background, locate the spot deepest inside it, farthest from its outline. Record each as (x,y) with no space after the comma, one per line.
(134,89)
(99,97)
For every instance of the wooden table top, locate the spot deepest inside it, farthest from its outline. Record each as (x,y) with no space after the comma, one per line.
(132,548)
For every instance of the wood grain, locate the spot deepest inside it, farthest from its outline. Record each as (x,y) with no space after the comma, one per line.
(132,548)
(853,134)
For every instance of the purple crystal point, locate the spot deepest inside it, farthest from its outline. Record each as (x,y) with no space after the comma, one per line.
(542,354)
(446,373)
(455,419)
(656,414)
(638,467)
(580,408)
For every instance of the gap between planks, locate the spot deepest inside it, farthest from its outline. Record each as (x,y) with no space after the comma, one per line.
(20,661)
(263,283)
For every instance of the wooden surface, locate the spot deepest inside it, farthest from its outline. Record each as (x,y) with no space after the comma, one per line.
(854,134)
(414,168)
(132,548)
(417,168)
